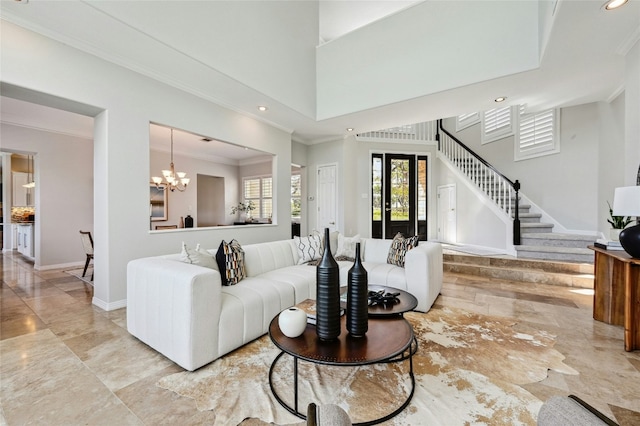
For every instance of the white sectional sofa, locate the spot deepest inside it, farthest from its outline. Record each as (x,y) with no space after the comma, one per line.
(182,310)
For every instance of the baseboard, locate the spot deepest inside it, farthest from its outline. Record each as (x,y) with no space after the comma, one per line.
(112,306)
(59,266)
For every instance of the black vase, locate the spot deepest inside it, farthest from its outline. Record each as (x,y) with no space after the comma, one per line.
(188,222)
(630,240)
(357,298)
(327,294)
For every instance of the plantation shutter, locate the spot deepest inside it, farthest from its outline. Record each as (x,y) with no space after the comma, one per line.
(496,124)
(465,120)
(497,119)
(536,130)
(252,189)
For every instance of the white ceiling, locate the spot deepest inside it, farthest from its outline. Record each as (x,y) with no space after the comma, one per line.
(581,56)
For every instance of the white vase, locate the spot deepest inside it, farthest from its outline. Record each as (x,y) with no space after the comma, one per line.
(614,234)
(292,322)
(242,216)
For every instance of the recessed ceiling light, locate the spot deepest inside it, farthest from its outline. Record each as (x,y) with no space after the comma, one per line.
(349,129)
(614,4)
(500,99)
(262,108)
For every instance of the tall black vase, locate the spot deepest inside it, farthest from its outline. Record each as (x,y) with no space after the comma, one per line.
(327,294)
(357,298)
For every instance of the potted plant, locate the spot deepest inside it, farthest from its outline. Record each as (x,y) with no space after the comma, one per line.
(618,223)
(244,210)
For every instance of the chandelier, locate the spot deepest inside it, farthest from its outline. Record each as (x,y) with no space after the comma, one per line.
(173,180)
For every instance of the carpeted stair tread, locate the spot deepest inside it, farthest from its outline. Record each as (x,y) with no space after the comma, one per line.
(536,225)
(589,239)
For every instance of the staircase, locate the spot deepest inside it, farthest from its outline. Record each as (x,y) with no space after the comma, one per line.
(558,273)
(536,239)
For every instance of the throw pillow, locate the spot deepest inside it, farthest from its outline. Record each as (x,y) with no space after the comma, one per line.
(230,258)
(399,248)
(347,246)
(309,248)
(197,256)
(333,240)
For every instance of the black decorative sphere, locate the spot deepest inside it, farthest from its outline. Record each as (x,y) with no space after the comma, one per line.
(630,240)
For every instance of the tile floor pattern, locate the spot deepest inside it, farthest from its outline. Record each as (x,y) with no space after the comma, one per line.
(65,361)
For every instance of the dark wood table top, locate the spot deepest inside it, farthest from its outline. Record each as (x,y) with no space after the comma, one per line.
(406,302)
(621,255)
(385,339)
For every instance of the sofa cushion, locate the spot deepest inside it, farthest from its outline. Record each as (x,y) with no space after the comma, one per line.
(385,274)
(299,277)
(375,250)
(230,258)
(264,257)
(198,256)
(399,248)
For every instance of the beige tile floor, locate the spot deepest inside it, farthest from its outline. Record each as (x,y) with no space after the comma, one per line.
(64,361)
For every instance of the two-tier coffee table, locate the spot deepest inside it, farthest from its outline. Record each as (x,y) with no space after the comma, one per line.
(388,339)
(406,302)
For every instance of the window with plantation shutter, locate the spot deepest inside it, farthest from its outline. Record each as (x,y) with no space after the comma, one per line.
(497,123)
(466,120)
(260,191)
(538,134)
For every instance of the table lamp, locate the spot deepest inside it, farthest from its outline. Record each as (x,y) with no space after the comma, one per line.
(626,202)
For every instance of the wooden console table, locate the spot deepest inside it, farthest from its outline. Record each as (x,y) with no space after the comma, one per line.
(616,298)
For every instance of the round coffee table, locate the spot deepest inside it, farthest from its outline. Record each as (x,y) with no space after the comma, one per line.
(387,340)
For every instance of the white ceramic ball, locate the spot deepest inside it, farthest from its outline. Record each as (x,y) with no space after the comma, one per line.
(292,322)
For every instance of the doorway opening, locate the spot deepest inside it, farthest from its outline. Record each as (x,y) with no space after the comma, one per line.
(399,188)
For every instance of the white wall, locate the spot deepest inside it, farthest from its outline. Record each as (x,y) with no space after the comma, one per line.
(353,159)
(611,146)
(402,55)
(632,115)
(63,193)
(565,184)
(476,223)
(121,149)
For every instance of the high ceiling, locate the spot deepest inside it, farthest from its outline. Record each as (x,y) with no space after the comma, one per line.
(322,67)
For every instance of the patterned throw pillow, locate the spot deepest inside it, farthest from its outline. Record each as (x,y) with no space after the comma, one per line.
(230,258)
(309,248)
(399,248)
(197,256)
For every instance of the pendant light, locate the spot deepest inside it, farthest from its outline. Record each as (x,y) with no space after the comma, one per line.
(31,181)
(173,180)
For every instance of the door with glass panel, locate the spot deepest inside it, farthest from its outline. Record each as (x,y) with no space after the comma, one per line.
(399,195)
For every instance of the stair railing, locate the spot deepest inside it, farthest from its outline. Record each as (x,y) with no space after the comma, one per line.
(500,189)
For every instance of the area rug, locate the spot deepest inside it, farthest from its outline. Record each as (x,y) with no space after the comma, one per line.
(78,274)
(468,369)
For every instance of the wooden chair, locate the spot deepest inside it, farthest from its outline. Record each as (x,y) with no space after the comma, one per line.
(166,227)
(87,244)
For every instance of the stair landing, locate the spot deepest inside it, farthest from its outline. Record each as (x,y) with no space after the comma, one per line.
(568,274)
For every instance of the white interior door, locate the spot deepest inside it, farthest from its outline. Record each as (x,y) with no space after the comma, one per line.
(327,197)
(447,213)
